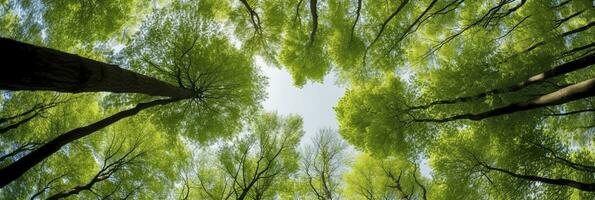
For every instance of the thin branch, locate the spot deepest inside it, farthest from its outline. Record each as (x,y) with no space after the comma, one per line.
(408,29)
(423,188)
(570,113)
(565,161)
(30,146)
(559,22)
(559,181)
(383,26)
(254,18)
(513,28)
(357,15)
(297,13)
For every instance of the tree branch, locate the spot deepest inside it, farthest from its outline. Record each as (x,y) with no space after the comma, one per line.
(554,72)
(574,92)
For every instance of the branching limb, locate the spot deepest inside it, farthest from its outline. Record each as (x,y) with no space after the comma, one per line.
(297,13)
(385,23)
(26,116)
(571,93)
(109,168)
(357,15)
(541,77)
(30,146)
(561,21)
(423,188)
(414,24)
(254,18)
(560,181)
(565,161)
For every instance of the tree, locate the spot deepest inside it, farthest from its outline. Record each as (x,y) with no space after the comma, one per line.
(219,100)
(254,165)
(385,178)
(22,165)
(465,165)
(323,163)
(163,157)
(460,88)
(112,162)
(497,83)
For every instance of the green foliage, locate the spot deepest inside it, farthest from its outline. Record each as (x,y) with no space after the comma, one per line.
(181,41)
(416,71)
(161,151)
(257,163)
(372,117)
(388,178)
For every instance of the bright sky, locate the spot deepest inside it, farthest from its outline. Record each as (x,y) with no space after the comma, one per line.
(314,102)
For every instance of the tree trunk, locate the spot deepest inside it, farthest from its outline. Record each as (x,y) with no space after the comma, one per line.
(570,93)
(538,78)
(560,181)
(19,167)
(29,67)
(314,13)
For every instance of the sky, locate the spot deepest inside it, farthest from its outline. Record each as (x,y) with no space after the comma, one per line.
(314,102)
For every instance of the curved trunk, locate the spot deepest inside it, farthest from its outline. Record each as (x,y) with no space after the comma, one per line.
(570,93)
(560,181)
(19,167)
(538,78)
(29,67)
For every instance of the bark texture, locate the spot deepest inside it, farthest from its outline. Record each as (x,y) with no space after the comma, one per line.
(29,67)
(570,93)
(538,78)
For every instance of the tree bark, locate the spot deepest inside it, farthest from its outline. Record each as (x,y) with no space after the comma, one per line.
(29,67)
(560,181)
(314,13)
(19,167)
(538,78)
(570,93)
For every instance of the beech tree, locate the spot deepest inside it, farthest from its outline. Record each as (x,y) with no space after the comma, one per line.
(492,99)
(208,80)
(386,178)
(254,165)
(323,163)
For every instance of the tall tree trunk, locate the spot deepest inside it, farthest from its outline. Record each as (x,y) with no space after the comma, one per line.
(560,181)
(29,67)
(570,93)
(19,167)
(314,13)
(538,78)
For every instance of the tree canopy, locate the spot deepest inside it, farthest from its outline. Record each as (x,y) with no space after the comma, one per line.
(445,99)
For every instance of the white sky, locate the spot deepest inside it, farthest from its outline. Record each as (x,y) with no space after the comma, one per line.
(314,102)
